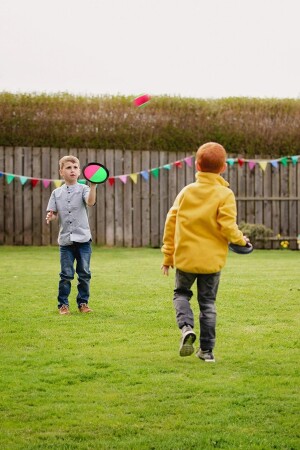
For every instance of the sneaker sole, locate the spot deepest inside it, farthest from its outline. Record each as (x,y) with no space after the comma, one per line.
(186,348)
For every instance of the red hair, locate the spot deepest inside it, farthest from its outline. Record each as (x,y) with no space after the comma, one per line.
(211,157)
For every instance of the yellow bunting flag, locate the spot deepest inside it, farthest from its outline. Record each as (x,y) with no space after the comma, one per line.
(57,183)
(133,176)
(263,165)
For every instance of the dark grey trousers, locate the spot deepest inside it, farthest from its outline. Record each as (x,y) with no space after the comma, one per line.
(207,288)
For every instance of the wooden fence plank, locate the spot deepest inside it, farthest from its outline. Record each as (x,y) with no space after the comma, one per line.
(145,192)
(292,189)
(284,206)
(110,200)
(36,198)
(267,204)
(27,198)
(92,210)
(154,202)
(46,191)
(119,204)
(164,192)
(18,197)
(137,201)
(127,199)
(9,198)
(55,156)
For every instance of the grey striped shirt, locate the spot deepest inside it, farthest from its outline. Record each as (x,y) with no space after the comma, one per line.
(70,204)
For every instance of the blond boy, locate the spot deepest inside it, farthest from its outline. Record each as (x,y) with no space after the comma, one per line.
(69,204)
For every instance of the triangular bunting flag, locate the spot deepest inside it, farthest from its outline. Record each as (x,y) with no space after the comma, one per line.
(23,180)
(145,175)
(82,181)
(34,182)
(284,161)
(133,176)
(263,165)
(230,161)
(294,159)
(251,164)
(123,178)
(167,166)
(1,174)
(241,162)
(57,183)
(274,163)
(178,164)
(111,181)
(155,172)
(188,161)
(46,183)
(9,178)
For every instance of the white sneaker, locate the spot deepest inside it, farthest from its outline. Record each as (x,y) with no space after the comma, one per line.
(186,343)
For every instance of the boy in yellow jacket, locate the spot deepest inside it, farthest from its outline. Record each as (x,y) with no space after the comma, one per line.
(198,228)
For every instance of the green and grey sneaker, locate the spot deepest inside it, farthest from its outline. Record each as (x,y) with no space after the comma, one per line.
(186,343)
(205,355)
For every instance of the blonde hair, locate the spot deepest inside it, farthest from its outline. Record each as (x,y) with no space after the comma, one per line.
(69,158)
(211,157)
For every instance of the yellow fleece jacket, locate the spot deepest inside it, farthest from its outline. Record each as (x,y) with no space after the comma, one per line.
(200,224)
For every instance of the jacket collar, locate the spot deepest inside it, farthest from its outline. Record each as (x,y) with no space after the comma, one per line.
(211,178)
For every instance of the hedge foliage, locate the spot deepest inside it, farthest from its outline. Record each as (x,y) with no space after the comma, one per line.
(245,126)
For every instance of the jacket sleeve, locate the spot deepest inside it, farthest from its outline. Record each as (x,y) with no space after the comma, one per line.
(169,235)
(227,214)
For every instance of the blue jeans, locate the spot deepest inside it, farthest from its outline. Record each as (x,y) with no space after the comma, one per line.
(207,288)
(81,252)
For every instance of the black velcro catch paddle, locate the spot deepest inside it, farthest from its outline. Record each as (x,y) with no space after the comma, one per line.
(95,173)
(240,249)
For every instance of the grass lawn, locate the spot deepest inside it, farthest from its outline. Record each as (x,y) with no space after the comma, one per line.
(113,379)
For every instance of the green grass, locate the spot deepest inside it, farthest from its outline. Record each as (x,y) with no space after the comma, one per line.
(113,379)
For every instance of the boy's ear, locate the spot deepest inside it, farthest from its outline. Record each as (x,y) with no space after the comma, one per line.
(198,167)
(224,168)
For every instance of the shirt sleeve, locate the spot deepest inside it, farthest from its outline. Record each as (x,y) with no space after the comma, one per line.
(52,203)
(85,193)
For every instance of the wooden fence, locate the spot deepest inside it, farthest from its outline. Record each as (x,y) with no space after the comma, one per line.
(133,214)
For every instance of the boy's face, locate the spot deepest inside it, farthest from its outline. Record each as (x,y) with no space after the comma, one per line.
(70,172)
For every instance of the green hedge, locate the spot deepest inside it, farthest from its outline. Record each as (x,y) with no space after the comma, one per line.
(246,126)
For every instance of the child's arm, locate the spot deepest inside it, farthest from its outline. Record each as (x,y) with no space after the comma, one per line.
(91,199)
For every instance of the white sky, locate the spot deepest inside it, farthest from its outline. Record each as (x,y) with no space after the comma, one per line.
(189,48)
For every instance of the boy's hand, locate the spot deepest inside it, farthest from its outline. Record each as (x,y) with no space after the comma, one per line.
(165,269)
(51,215)
(246,239)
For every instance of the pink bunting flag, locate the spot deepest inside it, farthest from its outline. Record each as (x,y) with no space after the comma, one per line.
(123,178)
(188,161)
(46,183)
(251,164)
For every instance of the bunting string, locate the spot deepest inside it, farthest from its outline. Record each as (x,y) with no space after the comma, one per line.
(145,174)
